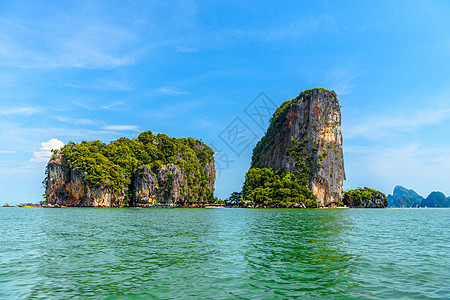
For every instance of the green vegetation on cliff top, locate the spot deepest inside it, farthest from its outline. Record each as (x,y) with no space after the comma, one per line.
(115,164)
(305,93)
(362,193)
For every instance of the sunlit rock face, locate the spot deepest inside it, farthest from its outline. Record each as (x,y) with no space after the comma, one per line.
(305,138)
(66,187)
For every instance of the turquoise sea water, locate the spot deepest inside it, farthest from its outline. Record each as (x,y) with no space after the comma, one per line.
(224,253)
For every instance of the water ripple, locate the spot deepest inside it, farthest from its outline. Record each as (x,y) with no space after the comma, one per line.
(224,254)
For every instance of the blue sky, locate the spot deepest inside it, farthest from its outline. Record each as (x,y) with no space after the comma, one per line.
(85,70)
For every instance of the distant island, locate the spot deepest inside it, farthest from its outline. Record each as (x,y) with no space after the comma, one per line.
(365,198)
(151,170)
(403,197)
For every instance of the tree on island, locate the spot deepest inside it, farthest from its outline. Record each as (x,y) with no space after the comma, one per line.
(234,199)
(264,187)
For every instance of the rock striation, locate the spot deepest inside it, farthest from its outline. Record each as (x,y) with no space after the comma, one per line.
(147,171)
(304,138)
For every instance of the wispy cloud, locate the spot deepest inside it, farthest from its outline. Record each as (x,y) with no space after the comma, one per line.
(391,160)
(298,28)
(103,85)
(407,164)
(203,123)
(376,127)
(289,30)
(113,106)
(341,80)
(24,110)
(77,121)
(8,79)
(21,135)
(357,149)
(186,49)
(26,170)
(7,152)
(44,153)
(82,105)
(121,127)
(94,107)
(172,110)
(412,163)
(171,91)
(75,43)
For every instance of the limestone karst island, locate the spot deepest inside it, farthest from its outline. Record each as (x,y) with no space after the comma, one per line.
(298,163)
(147,171)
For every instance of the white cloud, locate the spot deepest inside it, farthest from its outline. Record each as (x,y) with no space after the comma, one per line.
(25,110)
(121,127)
(7,152)
(45,153)
(171,91)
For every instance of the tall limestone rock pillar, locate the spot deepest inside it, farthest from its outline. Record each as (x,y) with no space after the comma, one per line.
(305,138)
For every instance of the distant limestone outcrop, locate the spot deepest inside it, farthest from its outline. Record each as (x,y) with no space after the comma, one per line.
(402,197)
(151,170)
(304,139)
(436,199)
(365,198)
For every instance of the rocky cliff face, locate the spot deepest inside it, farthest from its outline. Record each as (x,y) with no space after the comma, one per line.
(305,138)
(171,187)
(67,187)
(149,171)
